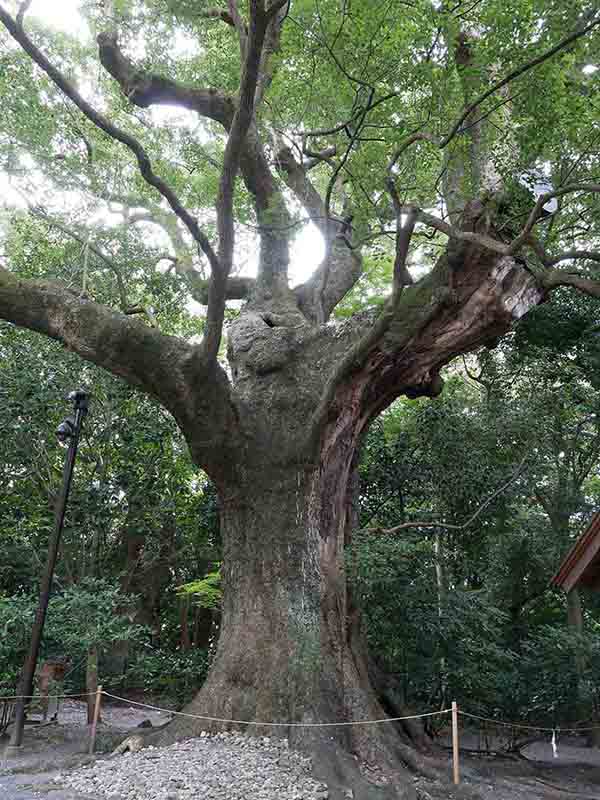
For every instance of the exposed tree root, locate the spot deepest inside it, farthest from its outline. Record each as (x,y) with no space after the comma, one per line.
(132,744)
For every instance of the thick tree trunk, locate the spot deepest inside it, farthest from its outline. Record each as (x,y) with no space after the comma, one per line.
(290,647)
(283,653)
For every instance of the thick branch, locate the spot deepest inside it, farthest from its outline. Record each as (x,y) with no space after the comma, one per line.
(298,181)
(316,157)
(448,312)
(360,352)
(128,348)
(114,132)
(23,9)
(573,255)
(238,288)
(276,15)
(237,133)
(239,25)
(145,89)
(481,239)
(196,393)
(342,266)
(404,232)
(332,281)
(554,277)
(576,280)
(218,13)
(240,126)
(275,7)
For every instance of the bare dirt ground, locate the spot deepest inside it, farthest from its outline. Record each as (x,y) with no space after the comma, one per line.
(55,749)
(521,779)
(534,774)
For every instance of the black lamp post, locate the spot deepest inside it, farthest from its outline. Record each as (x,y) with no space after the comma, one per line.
(67,431)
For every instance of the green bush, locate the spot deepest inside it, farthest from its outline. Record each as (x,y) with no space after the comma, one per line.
(549,666)
(16,618)
(80,617)
(169,677)
(91,614)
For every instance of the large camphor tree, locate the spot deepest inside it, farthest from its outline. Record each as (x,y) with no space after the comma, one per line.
(414,138)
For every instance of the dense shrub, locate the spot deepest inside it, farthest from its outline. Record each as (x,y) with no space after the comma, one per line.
(172,678)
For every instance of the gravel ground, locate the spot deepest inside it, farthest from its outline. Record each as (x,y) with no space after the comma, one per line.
(227,766)
(36,787)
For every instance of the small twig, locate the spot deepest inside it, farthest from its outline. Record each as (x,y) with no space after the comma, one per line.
(448,526)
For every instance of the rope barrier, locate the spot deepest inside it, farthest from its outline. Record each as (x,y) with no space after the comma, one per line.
(45,696)
(556,729)
(276,724)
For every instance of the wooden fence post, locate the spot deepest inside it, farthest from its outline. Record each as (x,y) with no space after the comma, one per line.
(455,764)
(95,720)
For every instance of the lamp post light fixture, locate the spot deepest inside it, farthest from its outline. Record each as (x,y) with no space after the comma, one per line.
(67,433)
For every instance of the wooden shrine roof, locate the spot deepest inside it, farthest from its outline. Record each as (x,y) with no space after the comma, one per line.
(581,565)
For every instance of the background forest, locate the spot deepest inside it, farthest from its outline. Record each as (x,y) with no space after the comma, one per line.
(466,506)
